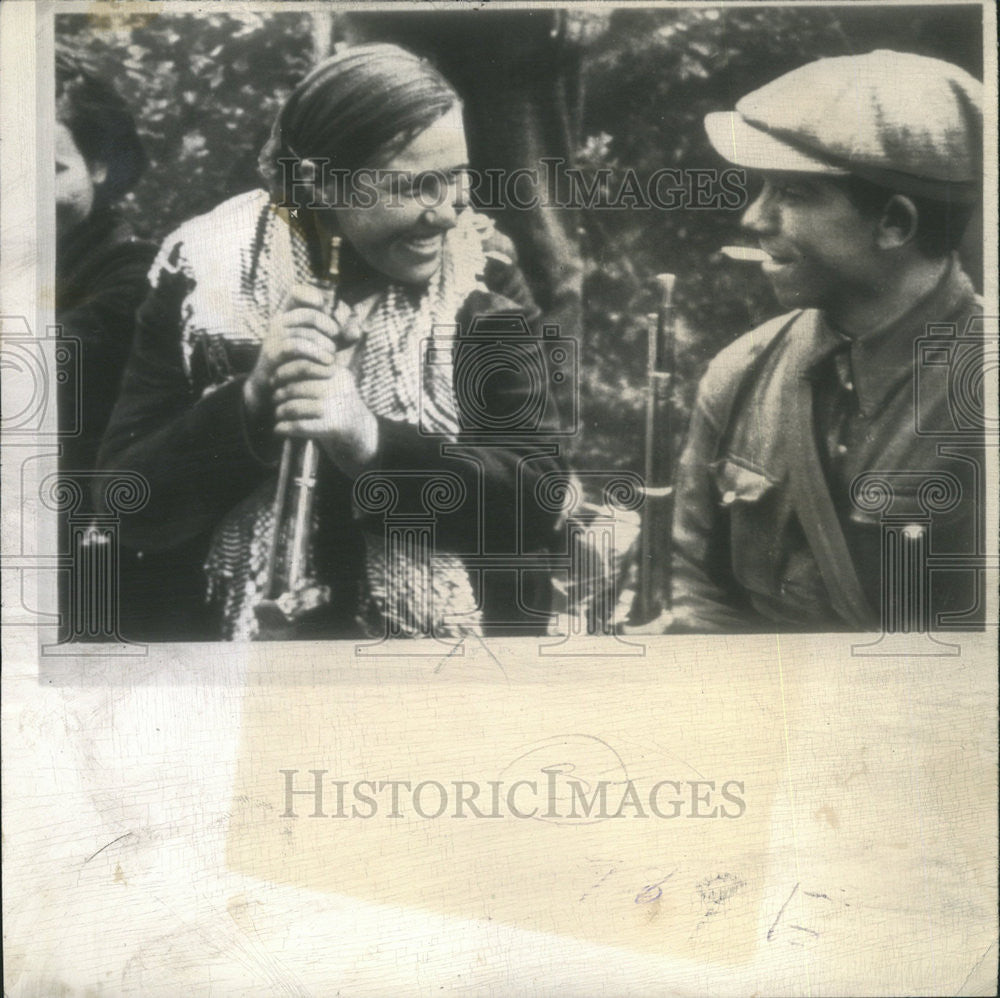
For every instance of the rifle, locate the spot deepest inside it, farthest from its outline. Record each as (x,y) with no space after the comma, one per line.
(653,598)
(290,593)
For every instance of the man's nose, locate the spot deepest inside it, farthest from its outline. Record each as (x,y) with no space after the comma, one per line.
(760,218)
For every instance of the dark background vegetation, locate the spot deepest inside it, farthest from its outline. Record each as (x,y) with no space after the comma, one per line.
(205,88)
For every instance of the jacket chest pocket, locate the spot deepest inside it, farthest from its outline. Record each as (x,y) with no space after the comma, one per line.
(756,512)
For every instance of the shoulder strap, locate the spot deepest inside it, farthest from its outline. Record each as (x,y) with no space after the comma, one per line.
(729,403)
(814,506)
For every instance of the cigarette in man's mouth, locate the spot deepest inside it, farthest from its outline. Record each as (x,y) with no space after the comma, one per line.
(745,254)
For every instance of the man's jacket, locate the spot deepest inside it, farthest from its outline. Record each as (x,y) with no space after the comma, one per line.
(811,459)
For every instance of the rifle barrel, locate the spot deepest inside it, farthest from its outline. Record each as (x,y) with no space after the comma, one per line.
(654,542)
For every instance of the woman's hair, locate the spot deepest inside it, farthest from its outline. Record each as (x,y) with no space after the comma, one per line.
(101,125)
(361,105)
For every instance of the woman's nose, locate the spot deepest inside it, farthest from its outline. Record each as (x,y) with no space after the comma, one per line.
(442,216)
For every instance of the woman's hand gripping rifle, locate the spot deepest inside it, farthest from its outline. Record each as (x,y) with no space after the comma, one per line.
(291,592)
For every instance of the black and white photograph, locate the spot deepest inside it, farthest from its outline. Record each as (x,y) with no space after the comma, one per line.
(499,498)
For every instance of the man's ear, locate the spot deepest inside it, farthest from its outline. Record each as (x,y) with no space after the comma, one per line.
(898,225)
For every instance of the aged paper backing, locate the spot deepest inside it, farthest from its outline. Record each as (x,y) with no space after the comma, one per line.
(146,850)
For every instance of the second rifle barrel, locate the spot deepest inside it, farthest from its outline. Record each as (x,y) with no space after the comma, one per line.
(654,548)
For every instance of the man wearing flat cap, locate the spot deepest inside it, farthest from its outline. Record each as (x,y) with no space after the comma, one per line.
(826,468)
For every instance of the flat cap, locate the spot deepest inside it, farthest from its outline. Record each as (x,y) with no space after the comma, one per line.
(904,121)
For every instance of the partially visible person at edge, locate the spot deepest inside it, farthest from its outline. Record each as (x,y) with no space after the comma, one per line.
(101,273)
(237,349)
(869,168)
(100,266)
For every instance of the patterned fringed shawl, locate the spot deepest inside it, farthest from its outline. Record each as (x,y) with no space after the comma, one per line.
(241,260)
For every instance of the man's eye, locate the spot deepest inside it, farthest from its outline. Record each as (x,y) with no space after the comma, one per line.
(793,192)
(61,167)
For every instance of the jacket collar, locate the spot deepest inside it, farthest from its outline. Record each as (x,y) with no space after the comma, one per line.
(882,358)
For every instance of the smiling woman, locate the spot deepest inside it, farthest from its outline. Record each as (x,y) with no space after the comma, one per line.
(402,233)
(294,314)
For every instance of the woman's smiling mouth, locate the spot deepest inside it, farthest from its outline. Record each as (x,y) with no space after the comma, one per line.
(422,245)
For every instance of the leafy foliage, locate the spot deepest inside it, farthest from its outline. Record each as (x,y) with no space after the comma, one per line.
(205,89)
